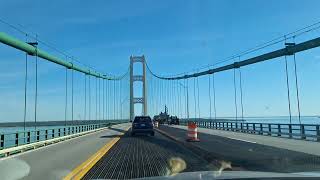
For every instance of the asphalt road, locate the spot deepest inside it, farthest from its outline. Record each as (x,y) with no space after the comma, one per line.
(250,155)
(57,160)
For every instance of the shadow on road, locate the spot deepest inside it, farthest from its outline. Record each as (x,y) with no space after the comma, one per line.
(112,136)
(116,129)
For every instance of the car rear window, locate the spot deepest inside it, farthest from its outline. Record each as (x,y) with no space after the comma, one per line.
(142,119)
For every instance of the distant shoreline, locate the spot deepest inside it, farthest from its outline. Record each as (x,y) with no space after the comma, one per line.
(54,123)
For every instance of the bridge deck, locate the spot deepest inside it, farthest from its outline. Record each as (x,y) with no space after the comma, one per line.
(309,147)
(57,160)
(246,151)
(144,156)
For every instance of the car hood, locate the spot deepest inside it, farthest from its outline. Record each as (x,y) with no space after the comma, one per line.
(234,175)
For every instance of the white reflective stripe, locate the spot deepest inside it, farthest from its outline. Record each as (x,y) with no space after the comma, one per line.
(192,129)
(193,135)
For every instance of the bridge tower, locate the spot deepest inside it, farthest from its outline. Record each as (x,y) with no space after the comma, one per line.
(142,100)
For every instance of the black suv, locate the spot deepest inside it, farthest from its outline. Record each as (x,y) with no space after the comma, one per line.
(143,125)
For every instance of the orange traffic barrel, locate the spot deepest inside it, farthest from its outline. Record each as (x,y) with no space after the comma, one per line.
(192,135)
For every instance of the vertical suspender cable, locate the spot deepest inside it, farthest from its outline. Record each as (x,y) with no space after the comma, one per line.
(85,97)
(36,91)
(287,80)
(25,94)
(185,98)
(99,90)
(235,93)
(180,101)
(176,97)
(107,99)
(297,88)
(161,98)
(240,79)
(288,88)
(89,98)
(114,99)
(120,100)
(117,99)
(164,95)
(152,95)
(210,117)
(103,100)
(96,97)
(72,84)
(194,97)
(158,96)
(66,100)
(198,89)
(106,81)
(169,102)
(241,101)
(155,96)
(214,97)
(188,115)
(172,97)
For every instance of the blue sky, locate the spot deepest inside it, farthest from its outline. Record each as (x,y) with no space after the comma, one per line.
(175,36)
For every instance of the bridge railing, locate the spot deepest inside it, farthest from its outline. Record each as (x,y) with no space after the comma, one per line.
(8,140)
(296,131)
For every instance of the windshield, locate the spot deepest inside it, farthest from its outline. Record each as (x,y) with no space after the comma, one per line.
(142,119)
(124,89)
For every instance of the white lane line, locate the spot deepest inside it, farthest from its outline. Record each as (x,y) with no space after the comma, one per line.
(241,140)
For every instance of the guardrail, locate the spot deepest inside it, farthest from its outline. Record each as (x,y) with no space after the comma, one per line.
(9,140)
(296,131)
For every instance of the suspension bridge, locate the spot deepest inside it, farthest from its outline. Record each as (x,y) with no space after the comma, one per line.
(97,143)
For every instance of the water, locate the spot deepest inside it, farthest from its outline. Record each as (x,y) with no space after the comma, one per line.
(6,130)
(10,134)
(284,120)
(275,119)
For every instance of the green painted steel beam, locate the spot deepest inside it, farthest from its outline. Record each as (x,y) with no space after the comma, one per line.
(287,51)
(34,51)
